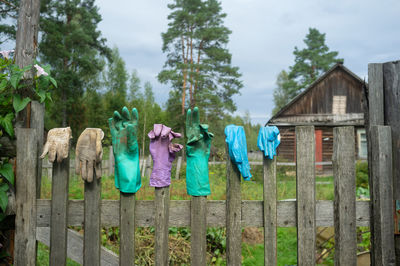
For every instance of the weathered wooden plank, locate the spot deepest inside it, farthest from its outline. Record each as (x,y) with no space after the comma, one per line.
(233,214)
(375,94)
(111,162)
(92,238)
(305,192)
(37,122)
(179,213)
(198,225)
(270,212)
(161,203)
(25,187)
(345,196)
(127,220)
(178,167)
(59,212)
(75,247)
(391,88)
(383,238)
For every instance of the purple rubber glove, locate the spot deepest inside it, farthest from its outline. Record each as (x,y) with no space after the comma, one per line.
(162,151)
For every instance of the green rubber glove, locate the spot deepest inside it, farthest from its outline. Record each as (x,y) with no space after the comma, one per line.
(197,154)
(126,150)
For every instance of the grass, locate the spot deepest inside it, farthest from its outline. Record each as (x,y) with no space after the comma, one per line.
(180,237)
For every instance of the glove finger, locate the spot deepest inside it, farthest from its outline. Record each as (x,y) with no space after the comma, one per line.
(98,170)
(45,150)
(188,120)
(90,171)
(117,119)
(125,114)
(135,116)
(83,170)
(196,117)
(52,154)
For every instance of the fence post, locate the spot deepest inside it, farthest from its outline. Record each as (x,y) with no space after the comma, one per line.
(25,186)
(305,191)
(344,173)
(127,229)
(198,224)
(92,240)
(233,214)
(59,210)
(270,211)
(381,153)
(161,223)
(178,167)
(37,122)
(111,162)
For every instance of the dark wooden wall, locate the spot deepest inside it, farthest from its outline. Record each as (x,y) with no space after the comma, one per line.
(318,100)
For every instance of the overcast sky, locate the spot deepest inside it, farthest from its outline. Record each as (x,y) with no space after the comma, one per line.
(264,34)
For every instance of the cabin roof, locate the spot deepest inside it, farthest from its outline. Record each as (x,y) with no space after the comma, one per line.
(313,85)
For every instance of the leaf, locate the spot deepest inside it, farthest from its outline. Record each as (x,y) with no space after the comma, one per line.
(48,95)
(7,171)
(4,187)
(16,77)
(53,81)
(6,123)
(19,104)
(3,200)
(42,95)
(3,84)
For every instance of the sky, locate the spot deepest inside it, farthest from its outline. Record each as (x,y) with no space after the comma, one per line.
(264,34)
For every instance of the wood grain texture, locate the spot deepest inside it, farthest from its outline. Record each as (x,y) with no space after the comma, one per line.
(383,238)
(391,88)
(233,214)
(375,94)
(92,240)
(161,203)
(37,122)
(179,213)
(344,173)
(178,167)
(75,247)
(25,187)
(198,225)
(127,221)
(305,186)
(59,213)
(270,212)
(111,162)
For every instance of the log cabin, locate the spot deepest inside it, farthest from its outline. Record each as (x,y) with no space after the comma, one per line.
(335,99)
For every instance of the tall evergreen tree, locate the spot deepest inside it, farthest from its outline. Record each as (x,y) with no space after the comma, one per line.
(310,63)
(72,45)
(198,61)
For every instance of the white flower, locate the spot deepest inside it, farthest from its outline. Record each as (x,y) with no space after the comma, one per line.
(6,54)
(40,71)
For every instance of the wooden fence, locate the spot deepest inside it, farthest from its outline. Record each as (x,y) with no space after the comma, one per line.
(306,213)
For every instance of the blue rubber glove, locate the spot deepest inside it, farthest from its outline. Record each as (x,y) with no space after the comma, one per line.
(237,146)
(126,150)
(268,140)
(197,154)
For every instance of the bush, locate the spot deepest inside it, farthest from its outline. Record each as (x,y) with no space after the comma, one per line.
(362,175)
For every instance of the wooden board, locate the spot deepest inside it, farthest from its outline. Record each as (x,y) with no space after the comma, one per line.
(305,192)
(25,186)
(161,203)
(179,213)
(59,212)
(198,226)
(345,196)
(127,221)
(270,212)
(233,214)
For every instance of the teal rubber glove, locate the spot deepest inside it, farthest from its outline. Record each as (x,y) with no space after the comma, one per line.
(268,140)
(126,150)
(197,154)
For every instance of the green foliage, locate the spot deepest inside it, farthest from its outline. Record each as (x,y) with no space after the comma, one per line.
(309,64)
(362,175)
(8,20)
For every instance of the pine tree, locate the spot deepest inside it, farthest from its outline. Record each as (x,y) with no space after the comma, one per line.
(285,91)
(198,61)
(72,45)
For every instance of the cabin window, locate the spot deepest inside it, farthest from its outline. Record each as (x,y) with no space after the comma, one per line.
(339,105)
(362,144)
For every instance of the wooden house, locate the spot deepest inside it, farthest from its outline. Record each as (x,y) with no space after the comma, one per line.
(335,99)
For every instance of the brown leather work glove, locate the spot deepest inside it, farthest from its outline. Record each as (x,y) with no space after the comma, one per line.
(57,144)
(89,153)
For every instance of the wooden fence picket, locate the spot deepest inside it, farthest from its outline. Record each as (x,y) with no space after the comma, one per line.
(305,192)
(127,229)
(198,225)
(161,221)
(59,213)
(344,173)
